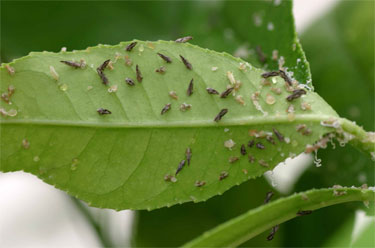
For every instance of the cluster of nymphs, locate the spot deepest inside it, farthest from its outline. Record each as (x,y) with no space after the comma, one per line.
(256,143)
(181,165)
(161,70)
(6,97)
(291,86)
(296,93)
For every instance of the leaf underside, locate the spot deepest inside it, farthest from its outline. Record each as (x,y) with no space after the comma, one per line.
(119,161)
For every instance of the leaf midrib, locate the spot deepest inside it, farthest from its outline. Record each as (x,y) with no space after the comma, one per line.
(249,121)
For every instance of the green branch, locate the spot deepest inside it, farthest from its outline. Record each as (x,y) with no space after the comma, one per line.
(360,139)
(238,230)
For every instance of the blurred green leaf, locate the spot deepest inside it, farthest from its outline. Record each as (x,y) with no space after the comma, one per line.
(343,236)
(340,48)
(79,24)
(366,238)
(340,235)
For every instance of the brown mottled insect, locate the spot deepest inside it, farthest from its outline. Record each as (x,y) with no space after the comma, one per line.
(188,155)
(212,91)
(10,70)
(261,56)
(104,65)
(5,97)
(139,74)
(185,106)
(190,88)
(243,149)
(304,212)
(286,78)
(270,139)
(200,183)
(233,159)
(296,94)
(180,166)
(223,175)
(186,63)
(173,94)
(184,39)
(251,158)
(307,132)
(100,70)
(263,163)
(161,70)
(11,90)
(259,145)
(131,46)
(220,114)
(268,197)
(270,74)
(128,61)
(273,231)
(102,76)
(25,144)
(251,143)
(129,81)
(71,63)
(226,93)
(166,108)
(167,178)
(300,127)
(165,58)
(278,135)
(103,111)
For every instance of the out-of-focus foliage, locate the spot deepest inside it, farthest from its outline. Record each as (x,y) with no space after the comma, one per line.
(347,236)
(214,24)
(51,25)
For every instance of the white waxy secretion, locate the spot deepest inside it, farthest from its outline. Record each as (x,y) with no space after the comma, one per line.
(229,144)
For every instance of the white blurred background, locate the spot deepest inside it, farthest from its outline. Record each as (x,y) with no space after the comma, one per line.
(35,214)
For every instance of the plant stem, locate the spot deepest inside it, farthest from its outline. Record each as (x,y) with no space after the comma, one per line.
(90,219)
(244,227)
(362,140)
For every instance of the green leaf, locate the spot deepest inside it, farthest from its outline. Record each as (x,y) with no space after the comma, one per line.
(120,160)
(250,224)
